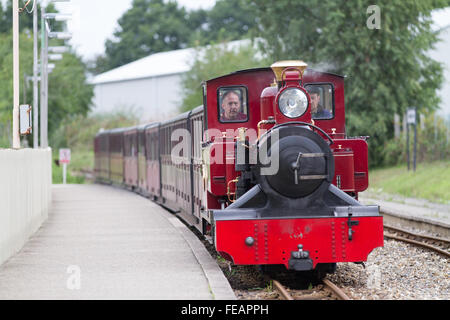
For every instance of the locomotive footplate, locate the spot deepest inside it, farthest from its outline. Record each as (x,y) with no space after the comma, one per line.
(298,243)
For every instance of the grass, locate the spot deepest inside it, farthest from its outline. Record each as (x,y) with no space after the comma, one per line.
(80,160)
(431,181)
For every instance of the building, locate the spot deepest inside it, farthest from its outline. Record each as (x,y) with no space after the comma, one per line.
(150,87)
(441,53)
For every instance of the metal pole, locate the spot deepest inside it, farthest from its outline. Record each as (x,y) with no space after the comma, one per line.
(35,80)
(415,146)
(64,173)
(407,144)
(44,91)
(16,81)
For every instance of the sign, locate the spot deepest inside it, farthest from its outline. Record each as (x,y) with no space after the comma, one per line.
(64,155)
(25,119)
(411,116)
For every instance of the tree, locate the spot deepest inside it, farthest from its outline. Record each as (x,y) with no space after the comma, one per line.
(227,20)
(6,79)
(26,19)
(69,93)
(387,69)
(214,61)
(152,26)
(149,26)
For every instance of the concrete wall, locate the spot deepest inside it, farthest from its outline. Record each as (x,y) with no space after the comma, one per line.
(155,99)
(25,196)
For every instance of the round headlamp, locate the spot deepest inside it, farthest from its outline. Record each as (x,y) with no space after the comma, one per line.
(293,102)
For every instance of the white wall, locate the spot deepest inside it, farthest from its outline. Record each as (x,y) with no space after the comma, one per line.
(441,53)
(25,196)
(155,98)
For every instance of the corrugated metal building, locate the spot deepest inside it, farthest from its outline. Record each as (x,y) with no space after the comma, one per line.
(441,53)
(150,86)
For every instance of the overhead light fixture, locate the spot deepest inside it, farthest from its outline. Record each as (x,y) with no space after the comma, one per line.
(60,49)
(60,35)
(58,16)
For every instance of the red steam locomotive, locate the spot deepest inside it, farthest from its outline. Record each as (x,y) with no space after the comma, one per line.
(264,169)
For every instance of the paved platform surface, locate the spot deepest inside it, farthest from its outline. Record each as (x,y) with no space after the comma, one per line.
(409,207)
(102,242)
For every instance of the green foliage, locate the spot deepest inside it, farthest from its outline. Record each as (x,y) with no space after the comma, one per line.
(77,133)
(214,61)
(152,26)
(227,20)
(69,92)
(149,26)
(57,173)
(387,69)
(6,79)
(432,144)
(26,19)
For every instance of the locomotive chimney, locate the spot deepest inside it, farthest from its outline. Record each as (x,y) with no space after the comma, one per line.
(280,66)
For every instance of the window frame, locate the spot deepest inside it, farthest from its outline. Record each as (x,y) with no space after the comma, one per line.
(219,105)
(333,106)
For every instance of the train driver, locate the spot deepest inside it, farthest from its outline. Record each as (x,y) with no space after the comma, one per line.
(231,107)
(317,110)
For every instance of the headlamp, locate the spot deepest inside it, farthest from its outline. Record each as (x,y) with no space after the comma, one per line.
(293,102)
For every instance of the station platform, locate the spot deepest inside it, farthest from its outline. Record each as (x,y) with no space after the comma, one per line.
(102,242)
(412,209)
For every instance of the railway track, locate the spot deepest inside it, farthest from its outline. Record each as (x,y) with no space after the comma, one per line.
(436,244)
(302,295)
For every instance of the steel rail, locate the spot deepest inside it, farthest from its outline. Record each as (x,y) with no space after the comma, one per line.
(426,237)
(283,292)
(335,289)
(331,286)
(417,243)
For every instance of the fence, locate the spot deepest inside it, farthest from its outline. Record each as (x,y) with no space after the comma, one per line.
(25,196)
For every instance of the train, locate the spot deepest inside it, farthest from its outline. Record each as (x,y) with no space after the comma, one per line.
(263,169)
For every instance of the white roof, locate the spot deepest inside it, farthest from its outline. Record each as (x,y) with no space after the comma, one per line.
(158,64)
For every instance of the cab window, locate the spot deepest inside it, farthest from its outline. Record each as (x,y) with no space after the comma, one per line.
(232,104)
(321,101)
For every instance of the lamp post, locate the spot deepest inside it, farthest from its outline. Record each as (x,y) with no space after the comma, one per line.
(35,80)
(45,34)
(16,81)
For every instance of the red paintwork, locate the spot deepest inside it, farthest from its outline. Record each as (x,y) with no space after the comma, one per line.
(361,166)
(262,104)
(326,239)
